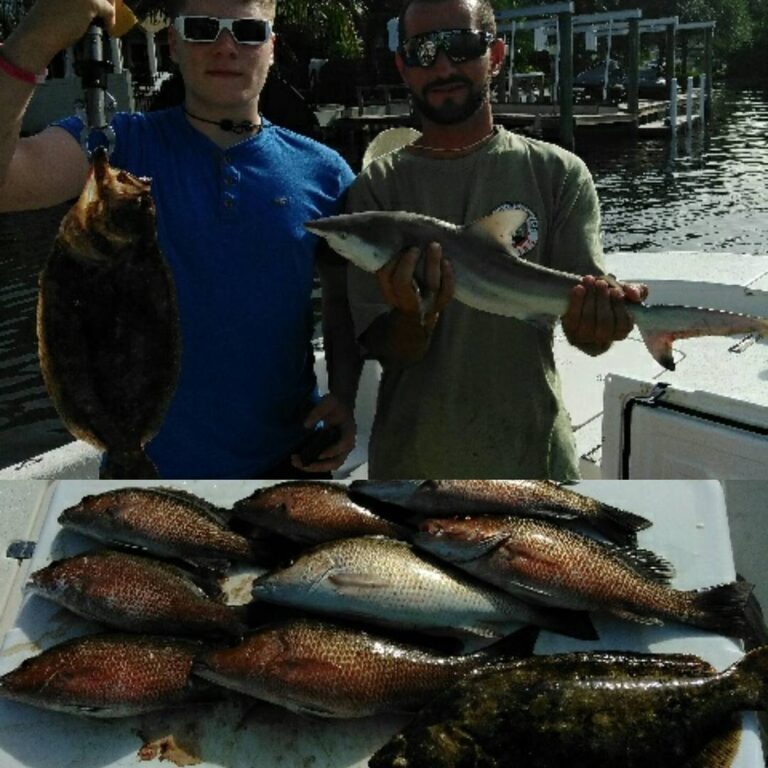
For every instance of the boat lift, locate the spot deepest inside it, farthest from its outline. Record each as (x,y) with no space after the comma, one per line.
(566,24)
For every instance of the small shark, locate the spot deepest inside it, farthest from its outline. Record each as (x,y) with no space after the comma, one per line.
(491,277)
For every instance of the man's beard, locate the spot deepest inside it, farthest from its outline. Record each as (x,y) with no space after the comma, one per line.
(451,112)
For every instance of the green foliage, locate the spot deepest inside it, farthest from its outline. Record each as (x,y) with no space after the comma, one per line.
(331,25)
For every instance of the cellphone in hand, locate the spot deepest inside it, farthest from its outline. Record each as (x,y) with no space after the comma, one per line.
(316,442)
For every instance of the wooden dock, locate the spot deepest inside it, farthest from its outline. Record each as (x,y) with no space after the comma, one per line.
(651,119)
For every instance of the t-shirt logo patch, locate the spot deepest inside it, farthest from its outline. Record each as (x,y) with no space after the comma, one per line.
(526,236)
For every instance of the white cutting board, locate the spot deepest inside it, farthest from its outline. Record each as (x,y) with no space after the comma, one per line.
(690,529)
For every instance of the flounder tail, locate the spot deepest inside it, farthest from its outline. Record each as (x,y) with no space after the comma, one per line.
(751,678)
(128,465)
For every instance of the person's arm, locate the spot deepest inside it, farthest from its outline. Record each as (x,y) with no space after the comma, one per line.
(599,310)
(343,359)
(343,363)
(50,167)
(401,337)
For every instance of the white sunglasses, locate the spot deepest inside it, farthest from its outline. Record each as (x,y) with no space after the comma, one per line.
(206,29)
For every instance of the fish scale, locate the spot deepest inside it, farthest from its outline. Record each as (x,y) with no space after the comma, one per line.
(334,671)
(135,594)
(110,675)
(585,710)
(554,566)
(107,321)
(528,498)
(311,512)
(164,523)
(384,581)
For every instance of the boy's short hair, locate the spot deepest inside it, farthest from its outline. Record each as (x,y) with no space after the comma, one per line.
(485,16)
(176,7)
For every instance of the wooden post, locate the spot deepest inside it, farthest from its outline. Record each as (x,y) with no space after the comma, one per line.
(565,25)
(633,99)
(670,54)
(708,34)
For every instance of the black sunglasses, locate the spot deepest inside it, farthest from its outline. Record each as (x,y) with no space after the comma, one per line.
(206,29)
(459,45)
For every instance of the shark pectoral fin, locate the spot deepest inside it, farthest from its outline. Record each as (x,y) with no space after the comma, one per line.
(500,225)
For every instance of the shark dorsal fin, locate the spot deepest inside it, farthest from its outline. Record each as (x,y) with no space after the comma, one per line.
(501,225)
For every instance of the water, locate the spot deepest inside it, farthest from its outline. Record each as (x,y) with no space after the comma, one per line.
(706,191)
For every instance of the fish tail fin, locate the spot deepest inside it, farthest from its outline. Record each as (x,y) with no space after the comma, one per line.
(659,344)
(131,464)
(661,324)
(517,644)
(618,525)
(723,608)
(751,676)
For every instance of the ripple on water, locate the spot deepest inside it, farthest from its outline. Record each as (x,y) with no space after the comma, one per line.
(708,192)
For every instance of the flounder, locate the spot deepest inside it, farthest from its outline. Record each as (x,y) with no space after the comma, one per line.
(107,321)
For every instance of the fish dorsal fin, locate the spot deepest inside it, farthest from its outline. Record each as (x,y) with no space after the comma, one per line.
(501,226)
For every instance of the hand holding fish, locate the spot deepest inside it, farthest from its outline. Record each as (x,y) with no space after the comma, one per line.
(334,413)
(597,314)
(401,290)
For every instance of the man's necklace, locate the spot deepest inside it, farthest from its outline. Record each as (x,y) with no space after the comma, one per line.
(244,126)
(465,148)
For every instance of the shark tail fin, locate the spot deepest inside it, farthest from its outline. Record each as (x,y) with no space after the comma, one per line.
(660,325)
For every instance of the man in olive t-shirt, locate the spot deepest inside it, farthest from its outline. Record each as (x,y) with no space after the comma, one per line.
(466,393)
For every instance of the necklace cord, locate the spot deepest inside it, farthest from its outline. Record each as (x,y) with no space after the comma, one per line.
(457,149)
(244,126)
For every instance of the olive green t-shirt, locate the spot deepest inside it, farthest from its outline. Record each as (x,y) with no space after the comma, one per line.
(485,400)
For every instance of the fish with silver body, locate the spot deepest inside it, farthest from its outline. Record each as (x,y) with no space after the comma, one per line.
(107,321)
(552,566)
(585,710)
(310,512)
(529,498)
(385,582)
(491,277)
(333,671)
(110,675)
(135,593)
(163,522)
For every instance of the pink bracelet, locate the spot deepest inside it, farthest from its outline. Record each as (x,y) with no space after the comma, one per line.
(18,73)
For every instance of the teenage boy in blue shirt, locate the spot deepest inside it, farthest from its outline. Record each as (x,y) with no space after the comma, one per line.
(230,208)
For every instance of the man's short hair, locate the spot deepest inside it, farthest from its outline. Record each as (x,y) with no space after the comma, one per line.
(485,17)
(177,7)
